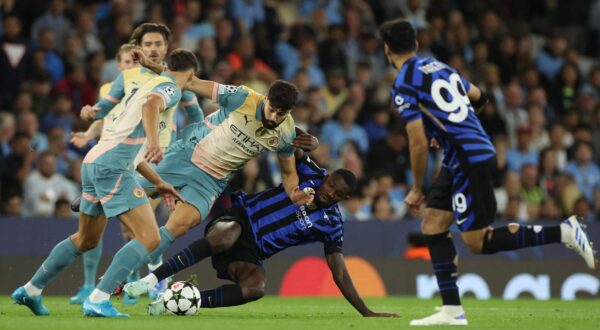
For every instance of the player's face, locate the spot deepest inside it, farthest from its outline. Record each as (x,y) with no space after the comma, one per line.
(126,62)
(154,46)
(272,117)
(332,190)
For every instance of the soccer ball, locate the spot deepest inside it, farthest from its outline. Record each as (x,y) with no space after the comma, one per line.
(182,298)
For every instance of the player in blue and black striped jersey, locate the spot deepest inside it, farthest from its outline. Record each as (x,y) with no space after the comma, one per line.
(438,105)
(260,225)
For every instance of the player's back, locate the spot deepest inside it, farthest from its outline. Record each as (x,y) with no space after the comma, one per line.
(433,91)
(121,141)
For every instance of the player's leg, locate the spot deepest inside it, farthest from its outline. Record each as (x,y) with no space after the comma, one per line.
(135,274)
(91,259)
(250,280)
(62,255)
(437,219)
(221,234)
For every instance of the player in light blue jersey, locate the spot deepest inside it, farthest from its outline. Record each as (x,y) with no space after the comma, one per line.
(435,101)
(110,188)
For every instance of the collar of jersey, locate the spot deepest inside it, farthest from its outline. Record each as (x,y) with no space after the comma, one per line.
(414,58)
(168,75)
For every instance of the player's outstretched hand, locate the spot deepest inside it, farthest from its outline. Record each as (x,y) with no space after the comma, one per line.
(302,197)
(434,144)
(79,139)
(306,142)
(88,112)
(169,194)
(414,200)
(374,314)
(139,56)
(153,154)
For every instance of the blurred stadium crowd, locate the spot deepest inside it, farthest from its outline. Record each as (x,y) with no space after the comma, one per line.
(537,59)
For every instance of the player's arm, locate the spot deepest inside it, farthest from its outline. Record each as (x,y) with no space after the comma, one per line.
(304,142)
(290,179)
(419,155)
(203,88)
(106,103)
(167,191)
(81,139)
(477,97)
(343,280)
(143,60)
(151,110)
(190,105)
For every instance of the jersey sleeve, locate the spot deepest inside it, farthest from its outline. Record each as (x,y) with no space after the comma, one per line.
(465,83)
(309,170)
(334,240)
(230,97)
(406,100)
(169,92)
(114,96)
(190,105)
(285,148)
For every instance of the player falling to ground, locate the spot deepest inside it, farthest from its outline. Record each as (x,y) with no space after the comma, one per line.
(257,227)
(110,188)
(152,40)
(436,102)
(201,164)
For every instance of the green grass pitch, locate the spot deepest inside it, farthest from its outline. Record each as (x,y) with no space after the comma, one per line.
(313,313)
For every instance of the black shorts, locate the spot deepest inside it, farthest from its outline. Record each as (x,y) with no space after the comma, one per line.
(245,249)
(468,193)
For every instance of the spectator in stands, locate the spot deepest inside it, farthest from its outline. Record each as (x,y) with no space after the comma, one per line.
(513,113)
(335,93)
(12,206)
(29,125)
(7,131)
(566,87)
(15,60)
(62,209)
(60,115)
(337,131)
(41,89)
(381,209)
(17,166)
(43,187)
(523,153)
(586,173)
(551,58)
(531,193)
(76,86)
(48,57)
(55,20)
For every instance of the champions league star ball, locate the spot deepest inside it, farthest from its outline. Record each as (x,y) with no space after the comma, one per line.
(182,298)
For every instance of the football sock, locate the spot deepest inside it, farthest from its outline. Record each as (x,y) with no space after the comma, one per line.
(98,296)
(166,240)
(443,253)
(130,256)
(61,256)
(91,259)
(187,257)
(155,263)
(32,290)
(223,296)
(504,240)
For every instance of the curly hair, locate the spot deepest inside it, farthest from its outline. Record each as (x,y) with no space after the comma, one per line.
(282,95)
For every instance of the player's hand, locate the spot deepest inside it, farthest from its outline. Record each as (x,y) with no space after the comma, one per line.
(169,194)
(153,154)
(139,56)
(306,142)
(374,314)
(433,143)
(414,200)
(88,112)
(302,197)
(79,139)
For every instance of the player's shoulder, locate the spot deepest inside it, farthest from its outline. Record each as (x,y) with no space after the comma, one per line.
(288,127)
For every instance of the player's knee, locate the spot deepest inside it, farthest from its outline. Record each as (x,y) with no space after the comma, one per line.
(253,293)
(84,244)
(179,228)
(431,227)
(150,240)
(475,246)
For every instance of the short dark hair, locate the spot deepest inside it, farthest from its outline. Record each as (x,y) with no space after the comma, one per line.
(282,95)
(182,59)
(348,176)
(140,31)
(399,36)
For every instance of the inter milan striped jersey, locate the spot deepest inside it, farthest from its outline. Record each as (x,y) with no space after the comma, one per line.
(434,92)
(277,223)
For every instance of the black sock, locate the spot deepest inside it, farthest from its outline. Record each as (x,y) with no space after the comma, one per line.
(223,296)
(187,257)
(526,236)
(443,252)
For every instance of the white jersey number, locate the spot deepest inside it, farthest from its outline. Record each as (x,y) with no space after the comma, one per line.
(458,106)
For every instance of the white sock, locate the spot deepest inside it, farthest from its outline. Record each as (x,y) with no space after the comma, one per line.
(98,296)
(151,279)
(152,267)
(453,310)
(32,290)
(565,231)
